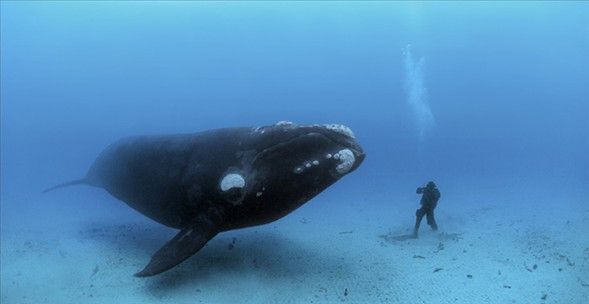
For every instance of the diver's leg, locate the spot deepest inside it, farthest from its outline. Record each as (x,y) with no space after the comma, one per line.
(431,220)
(419,216)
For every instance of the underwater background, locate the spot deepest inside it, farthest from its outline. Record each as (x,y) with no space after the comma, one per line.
(488,99)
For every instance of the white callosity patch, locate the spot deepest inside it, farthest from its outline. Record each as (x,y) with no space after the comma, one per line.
(284,123)
(328,155)
(340,129)
(260,130)
(259,193)
(231,181)
(347,160)
(306,165)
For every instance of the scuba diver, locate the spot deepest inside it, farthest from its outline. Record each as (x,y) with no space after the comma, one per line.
(429,201)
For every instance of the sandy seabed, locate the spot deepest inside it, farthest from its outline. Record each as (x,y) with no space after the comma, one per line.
(61,250)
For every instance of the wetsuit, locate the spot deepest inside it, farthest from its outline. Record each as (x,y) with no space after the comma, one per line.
(429,201)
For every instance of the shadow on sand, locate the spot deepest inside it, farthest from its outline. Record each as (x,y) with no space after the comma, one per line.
(252,252)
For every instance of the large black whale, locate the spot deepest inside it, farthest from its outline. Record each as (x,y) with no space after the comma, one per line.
(218,180)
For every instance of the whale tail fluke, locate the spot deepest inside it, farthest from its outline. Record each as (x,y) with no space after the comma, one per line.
(70,183)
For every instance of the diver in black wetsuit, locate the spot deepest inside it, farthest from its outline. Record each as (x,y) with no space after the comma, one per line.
(429,201)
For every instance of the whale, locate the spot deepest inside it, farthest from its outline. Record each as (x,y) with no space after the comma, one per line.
(218,180)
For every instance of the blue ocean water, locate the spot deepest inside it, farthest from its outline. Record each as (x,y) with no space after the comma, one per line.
(490,100)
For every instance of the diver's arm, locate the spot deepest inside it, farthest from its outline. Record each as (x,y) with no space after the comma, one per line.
(419,190)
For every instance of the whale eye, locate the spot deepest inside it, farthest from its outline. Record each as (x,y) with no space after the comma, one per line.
(231,181)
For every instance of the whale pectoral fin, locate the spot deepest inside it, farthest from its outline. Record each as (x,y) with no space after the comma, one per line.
(186,243)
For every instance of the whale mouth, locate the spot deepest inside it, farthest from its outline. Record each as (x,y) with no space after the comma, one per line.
(339,134)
